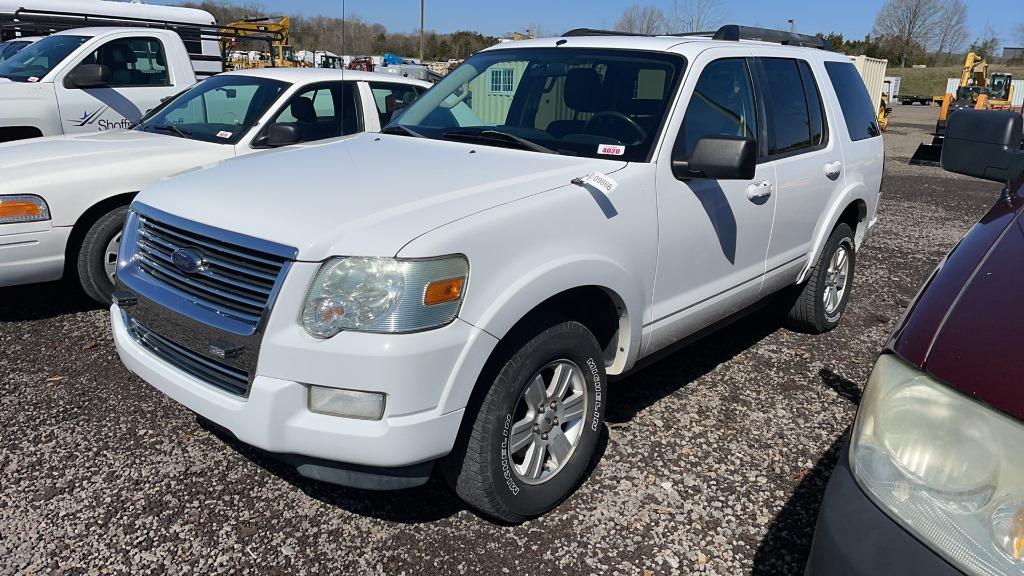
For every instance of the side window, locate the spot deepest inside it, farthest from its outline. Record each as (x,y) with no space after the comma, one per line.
(858,110)
(391,98)
(323,111)
(789,122)
(722,104)
(133,62)
(819,132)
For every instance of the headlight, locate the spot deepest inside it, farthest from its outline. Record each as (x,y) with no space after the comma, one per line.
(947,468)
(25,208)
(384,295)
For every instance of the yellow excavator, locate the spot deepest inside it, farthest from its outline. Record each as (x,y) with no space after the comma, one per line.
(978,90)
(280,55)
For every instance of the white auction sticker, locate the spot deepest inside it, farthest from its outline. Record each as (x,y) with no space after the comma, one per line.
(33,79)
(602,182)
(224,134)
(611,149)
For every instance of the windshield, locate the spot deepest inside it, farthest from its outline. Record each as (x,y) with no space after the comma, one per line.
(33,63)
(219,109)
(577,101)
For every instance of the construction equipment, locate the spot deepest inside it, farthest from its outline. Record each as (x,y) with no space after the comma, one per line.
(281,54)
(977,90)
(884,109)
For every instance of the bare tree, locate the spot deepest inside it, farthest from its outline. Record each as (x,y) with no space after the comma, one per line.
(1017,32)
(952,31)
(696,15)
(908,25)
(641,20)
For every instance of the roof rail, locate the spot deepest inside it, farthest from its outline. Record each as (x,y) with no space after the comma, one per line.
(729,32)
(734,33)
(596,32)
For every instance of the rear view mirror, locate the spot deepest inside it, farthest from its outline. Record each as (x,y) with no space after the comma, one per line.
(717,158)
(283,135)
(984,144)
(88,76)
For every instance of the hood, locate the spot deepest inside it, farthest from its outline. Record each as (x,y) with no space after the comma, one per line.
(109,162)
(367,196)
(965,327)
(976,350)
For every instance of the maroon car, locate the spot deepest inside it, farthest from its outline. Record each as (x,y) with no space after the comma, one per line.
(933,480)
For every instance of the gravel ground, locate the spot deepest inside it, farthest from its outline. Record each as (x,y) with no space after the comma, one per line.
(714,459)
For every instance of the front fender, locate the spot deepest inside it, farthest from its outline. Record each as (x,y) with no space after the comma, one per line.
(30,105)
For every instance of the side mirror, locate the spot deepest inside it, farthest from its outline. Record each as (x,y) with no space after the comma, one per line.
(283,135)
(985,144)
(717,158)
(88,76)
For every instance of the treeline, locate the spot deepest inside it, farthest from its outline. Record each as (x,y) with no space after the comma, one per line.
(354,35)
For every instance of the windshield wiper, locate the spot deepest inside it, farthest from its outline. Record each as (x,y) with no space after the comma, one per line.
(498,136)
(399,129)
(172,128)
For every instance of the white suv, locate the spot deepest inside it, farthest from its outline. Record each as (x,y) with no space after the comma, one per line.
(458,288)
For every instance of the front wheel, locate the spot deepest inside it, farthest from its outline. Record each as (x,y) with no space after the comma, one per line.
(97,257)
(535,432)
(823,298)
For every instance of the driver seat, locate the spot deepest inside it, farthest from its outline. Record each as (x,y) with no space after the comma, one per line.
(583,93)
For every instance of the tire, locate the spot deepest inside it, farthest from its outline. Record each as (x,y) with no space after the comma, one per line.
(92,258)
(810,313)
(481,469)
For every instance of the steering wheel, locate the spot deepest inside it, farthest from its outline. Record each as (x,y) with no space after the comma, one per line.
(609,119)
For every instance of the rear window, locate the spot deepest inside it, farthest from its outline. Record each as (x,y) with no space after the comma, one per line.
(858,110)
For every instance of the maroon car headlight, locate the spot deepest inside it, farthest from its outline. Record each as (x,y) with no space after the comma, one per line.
(947,468)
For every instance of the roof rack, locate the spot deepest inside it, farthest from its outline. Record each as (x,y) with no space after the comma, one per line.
(729,32)
(45,22)
(597,32)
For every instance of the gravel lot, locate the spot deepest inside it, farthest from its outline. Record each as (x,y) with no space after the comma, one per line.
(714,459)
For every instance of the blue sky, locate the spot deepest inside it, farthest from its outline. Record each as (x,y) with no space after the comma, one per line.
(852,18)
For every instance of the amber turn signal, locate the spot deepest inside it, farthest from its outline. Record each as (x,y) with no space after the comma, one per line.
(22,209)
(441,291)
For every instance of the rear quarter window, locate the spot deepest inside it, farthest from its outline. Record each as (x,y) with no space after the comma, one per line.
(858,110)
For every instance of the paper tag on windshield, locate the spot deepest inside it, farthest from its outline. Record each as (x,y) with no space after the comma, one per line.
(602,182)
(223,134)
(611,149)
(33,79)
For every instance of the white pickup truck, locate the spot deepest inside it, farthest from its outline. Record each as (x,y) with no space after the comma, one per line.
(64,198)
(596,198)
(89,80)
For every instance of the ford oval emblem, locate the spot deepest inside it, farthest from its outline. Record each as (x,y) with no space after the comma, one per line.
(188,261)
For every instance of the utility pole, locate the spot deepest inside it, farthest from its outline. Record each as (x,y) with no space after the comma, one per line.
(421,30)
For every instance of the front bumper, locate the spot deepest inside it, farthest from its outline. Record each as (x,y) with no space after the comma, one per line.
(32,252)
(413,369)
(854,538)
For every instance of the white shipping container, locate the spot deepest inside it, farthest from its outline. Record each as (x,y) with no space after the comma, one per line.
(872,71)
(893,88)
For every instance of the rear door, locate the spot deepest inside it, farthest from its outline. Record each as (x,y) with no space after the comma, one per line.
(139,79)
(808,163)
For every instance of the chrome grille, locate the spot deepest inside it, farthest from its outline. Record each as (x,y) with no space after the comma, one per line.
(217,374)
(236,281)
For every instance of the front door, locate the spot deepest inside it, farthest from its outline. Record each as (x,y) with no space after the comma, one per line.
(713,234)
(139,79)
